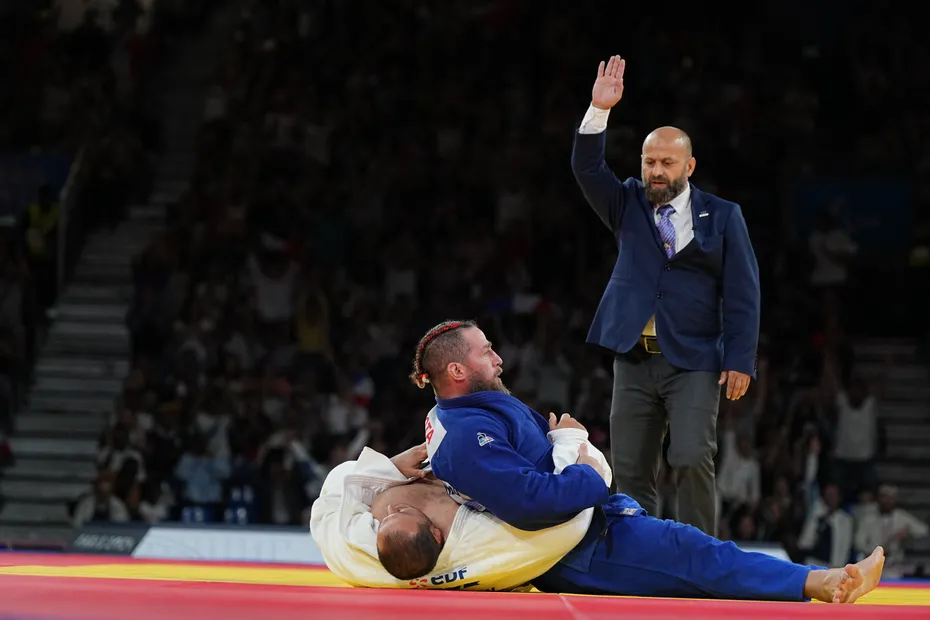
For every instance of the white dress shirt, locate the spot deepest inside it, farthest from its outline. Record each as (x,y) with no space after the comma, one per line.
(595,121)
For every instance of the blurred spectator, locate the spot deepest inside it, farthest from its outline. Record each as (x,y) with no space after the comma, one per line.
(827,536)
(100,505)
(121,460)
(40,223)
(201,475)
(739,481)
(858,430)
(889,526)
(16,299)
(832,249)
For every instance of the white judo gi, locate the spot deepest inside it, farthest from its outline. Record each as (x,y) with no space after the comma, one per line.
(480,553)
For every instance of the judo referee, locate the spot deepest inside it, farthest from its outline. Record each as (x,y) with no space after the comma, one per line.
(493,454)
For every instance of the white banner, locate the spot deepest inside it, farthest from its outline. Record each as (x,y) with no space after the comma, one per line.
(229,545)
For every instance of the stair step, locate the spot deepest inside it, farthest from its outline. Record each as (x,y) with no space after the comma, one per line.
(916,393)
(28,447)
(181,167)
(903,412)
(97,278)
(99,271)
(58,403)
(68,329)
(107,258)
(174,171)
(922,513)
(128,239)
(41,491)
(183,97)
(83,425)
(903,473)
(897,372)
(171,188)
(162,200)
(83,368)
(914,452)
(27,513)
(62,385)
(110,352)
(27,469)
(914,496)
(919,545)
(885,348)
(147,212)
(191,122)
(108,349)
(104,313)
(84,293)
(908,433)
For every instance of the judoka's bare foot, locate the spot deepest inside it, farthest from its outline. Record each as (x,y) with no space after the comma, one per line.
(860,578)
(845,585)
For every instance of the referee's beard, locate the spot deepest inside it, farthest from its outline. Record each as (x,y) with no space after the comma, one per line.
(663,194)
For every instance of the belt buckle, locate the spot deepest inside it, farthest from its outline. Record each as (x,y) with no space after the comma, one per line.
(651,344)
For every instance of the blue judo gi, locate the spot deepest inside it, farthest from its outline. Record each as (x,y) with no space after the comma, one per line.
(493,453)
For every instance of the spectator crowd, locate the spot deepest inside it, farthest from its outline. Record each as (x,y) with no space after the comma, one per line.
(360,180)
(75,72)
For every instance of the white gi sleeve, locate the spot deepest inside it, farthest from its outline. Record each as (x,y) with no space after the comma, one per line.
(565,445)
(341,522)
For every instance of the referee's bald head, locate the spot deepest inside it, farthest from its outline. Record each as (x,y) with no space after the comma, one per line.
(669,137)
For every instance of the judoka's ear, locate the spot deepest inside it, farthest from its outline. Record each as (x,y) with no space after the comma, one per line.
(456,371)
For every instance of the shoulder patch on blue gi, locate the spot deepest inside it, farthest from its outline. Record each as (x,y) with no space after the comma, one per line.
(484,440)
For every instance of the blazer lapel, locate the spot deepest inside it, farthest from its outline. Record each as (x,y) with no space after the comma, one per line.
(699,225)
(651,220)
(700,215)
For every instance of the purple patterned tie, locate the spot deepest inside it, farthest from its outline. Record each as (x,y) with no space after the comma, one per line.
(667,229)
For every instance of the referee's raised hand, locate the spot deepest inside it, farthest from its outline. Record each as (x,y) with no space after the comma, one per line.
(608,87)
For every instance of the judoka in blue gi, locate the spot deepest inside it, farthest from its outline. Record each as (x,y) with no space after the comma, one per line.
(492,452)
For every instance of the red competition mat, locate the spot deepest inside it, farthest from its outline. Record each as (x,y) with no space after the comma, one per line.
(75,587)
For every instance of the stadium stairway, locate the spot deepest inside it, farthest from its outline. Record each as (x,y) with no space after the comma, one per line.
(85,359)
(905,411)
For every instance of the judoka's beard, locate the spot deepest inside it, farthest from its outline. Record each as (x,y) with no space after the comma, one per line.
(485,385)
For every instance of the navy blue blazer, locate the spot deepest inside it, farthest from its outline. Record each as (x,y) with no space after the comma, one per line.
(706,298)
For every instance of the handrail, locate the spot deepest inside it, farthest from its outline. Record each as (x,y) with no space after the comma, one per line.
(66,200)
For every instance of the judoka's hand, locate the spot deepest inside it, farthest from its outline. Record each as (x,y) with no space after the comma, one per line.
(737,383)
(566,421)
(586,459)
(408,462)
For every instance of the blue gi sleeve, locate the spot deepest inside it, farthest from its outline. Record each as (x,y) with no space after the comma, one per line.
(480,464)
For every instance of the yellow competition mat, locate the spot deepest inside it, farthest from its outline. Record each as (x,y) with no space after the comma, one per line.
(893,594)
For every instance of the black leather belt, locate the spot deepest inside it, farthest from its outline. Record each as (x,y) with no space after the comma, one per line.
(650,344)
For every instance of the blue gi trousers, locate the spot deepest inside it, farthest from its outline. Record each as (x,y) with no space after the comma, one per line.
(629,553)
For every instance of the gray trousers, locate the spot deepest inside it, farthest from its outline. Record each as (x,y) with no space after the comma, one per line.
(652,397)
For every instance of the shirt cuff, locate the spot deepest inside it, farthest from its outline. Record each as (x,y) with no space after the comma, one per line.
(595,120)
